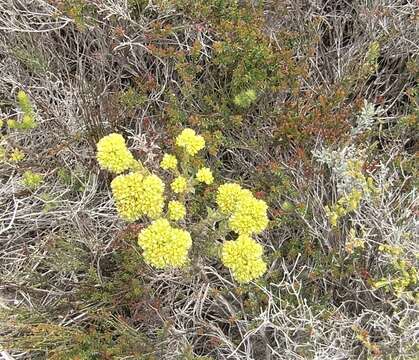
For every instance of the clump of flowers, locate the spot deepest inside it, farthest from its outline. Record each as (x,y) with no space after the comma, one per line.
(127,191)
(244,258)
(152,196)
(139,194)
(205,176)
(249,216)
(164,246)
(136,195)
(32,180)
(169,162)
(228,195)
(189,140)
(113,155)
(179,185)
(246,216)
(176,210)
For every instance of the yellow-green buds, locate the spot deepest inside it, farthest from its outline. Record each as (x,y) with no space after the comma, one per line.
(28,120)
(12,123)
(245,98)
(32,180)
(17,155)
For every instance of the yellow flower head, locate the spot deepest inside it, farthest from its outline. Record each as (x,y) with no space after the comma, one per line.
(136,196)
(249,216)
(176,210)
(244,258)
(190,141)
(127,192)
(205,175)
(169,162)
(228,196)
(163,245)
(152,197)
(113,155)
(179,185)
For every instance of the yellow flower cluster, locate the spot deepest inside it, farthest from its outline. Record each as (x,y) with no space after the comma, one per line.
(113,155)
(152,196)
(163,245)
(169,162)
(179,185)
(190,141)
(228,196)
(204,175)
(136,196)
(176,210)
(248,214)
(24,102)
(244,257)
(126,190)
(249,217)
